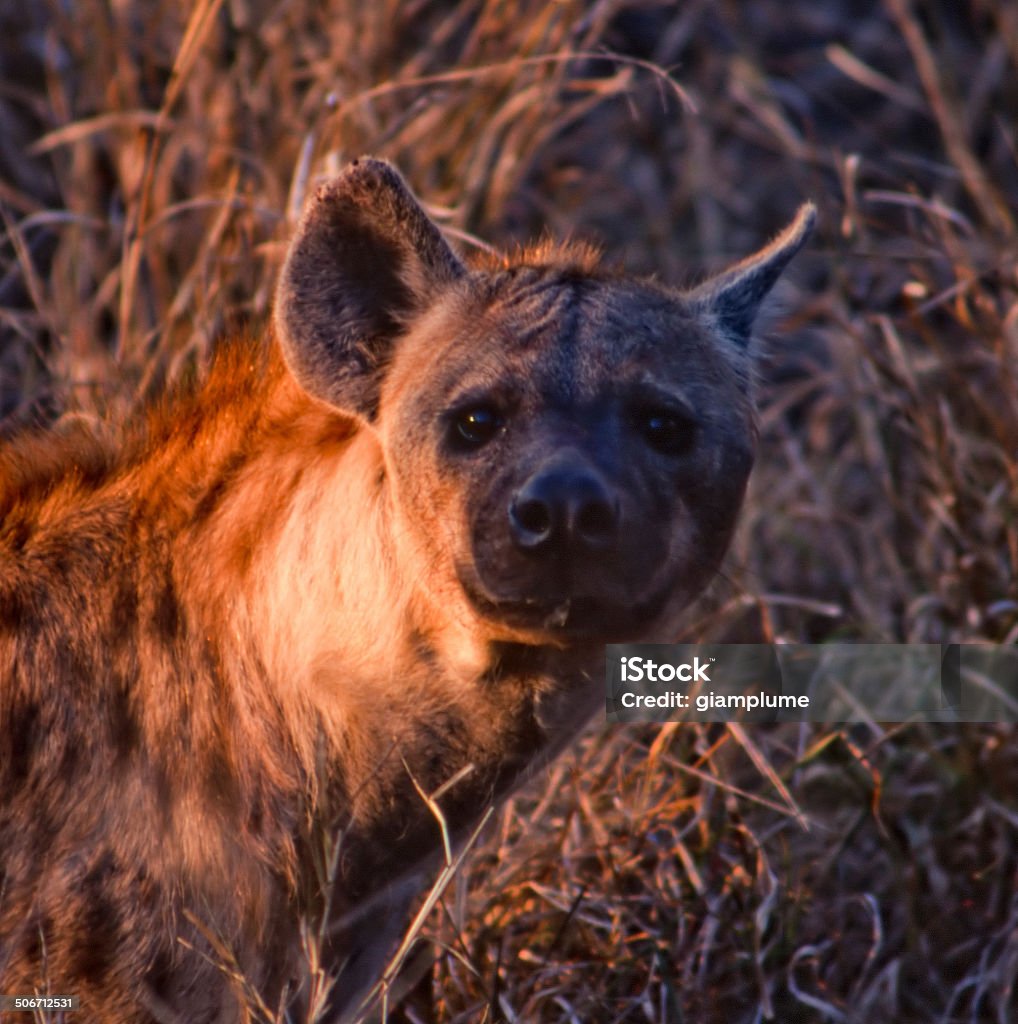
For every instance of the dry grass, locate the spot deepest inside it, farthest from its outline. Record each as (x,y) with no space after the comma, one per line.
(152,156)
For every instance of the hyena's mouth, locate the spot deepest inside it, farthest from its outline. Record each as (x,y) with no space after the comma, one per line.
(573,616)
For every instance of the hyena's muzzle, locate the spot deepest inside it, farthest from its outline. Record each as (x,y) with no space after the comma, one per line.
(594,539)
(565,554)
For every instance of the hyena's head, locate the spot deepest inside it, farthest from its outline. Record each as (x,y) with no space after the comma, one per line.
(566,448)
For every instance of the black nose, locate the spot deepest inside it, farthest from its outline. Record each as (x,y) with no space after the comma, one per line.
(565,505)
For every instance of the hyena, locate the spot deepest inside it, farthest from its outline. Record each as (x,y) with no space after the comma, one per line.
(365,570)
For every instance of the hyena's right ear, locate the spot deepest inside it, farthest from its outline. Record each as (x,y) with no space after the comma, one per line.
(365,260)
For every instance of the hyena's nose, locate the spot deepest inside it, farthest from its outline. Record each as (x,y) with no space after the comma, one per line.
(565,505)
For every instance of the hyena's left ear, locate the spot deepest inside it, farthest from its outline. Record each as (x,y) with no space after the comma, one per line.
(732,299)
(365,260)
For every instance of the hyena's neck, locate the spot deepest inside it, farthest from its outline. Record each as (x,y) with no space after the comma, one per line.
(284,536)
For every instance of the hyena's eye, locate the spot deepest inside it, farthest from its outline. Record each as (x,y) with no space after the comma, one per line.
(474,426)
(667,431)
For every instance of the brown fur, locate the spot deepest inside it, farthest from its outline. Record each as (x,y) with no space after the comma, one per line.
(286,601)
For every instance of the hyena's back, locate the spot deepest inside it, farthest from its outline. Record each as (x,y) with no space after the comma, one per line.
(375,558)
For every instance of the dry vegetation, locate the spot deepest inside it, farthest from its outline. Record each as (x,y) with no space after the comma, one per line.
(152,156)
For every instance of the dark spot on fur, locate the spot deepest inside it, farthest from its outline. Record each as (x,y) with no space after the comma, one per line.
(99,920)
(124,607)
(60,559)
(125,733)
(161,977)
(17,534)
(23,736)
(219,487)
(422,647)
(16,611)
(167,615)
(256,817)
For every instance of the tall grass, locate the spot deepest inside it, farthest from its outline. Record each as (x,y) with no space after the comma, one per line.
(152,158)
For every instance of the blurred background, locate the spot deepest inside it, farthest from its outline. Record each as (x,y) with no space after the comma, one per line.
(153,158)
